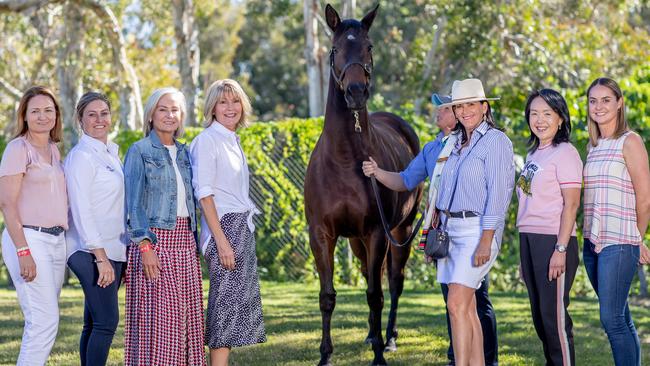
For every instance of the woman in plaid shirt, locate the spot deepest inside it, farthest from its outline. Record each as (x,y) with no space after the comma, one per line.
(616,212)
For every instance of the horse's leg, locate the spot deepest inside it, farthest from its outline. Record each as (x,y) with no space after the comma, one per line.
(376,247)
(396,261)
(360,252)
(322,246)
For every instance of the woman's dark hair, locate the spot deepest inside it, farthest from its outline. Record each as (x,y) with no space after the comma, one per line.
(557,103)
(488,118)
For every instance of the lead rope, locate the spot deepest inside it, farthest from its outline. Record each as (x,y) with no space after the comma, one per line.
(375,189)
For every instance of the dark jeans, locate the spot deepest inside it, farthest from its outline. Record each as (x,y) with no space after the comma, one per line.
(611,272)
(488,324)
(101,312)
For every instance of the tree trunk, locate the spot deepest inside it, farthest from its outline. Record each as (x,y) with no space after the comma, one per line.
(68,62)
(428,65)
(187,53)
(349,8)
(131,113)
(13,92)
(312,56)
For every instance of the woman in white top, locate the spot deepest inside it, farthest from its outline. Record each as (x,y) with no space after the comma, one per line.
(221,184)
(96,238)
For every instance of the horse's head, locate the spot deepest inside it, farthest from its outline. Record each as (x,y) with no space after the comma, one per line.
(351,56)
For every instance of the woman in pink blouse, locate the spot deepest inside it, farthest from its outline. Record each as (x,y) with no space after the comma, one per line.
(33,243)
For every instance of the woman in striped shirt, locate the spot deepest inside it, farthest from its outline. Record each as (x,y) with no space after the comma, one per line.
(616,212)
(474,195)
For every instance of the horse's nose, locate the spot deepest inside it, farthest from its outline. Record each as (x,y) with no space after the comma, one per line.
(356,95)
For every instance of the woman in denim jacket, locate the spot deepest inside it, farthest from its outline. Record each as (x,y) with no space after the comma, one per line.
(164,302)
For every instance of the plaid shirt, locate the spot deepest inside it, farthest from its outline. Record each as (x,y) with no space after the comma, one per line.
(609,201)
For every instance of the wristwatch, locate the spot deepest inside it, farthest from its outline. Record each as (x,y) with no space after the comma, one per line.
(561,248)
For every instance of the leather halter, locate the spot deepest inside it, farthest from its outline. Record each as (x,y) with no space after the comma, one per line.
(367,68)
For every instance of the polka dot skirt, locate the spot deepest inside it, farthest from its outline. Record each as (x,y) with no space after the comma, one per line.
(234,316)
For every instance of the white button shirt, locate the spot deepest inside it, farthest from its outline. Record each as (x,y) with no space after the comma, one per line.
(95,182)
(220,170)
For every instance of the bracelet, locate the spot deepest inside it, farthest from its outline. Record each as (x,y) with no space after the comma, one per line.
(145,248)
(18,250)
(99,260)
(24,252)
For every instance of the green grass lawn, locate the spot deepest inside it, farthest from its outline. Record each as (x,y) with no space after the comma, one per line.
(293,327)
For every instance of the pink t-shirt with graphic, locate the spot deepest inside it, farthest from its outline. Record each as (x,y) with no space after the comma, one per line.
(539,187)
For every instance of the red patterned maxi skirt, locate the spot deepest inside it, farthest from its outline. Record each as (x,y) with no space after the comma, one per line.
(164,317)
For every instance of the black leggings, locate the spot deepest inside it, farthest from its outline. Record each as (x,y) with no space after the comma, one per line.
(549,300)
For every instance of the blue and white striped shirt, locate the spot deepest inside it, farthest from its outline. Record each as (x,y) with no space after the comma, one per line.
(486,178)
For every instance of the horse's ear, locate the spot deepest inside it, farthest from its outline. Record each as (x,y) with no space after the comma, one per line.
(369,18)
(332,17)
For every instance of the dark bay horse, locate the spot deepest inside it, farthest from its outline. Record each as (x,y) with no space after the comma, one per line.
(339,200)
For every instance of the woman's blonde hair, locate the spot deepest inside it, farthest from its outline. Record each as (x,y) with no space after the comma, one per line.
(621,123)
(218,90)
(151,104)
(56,133)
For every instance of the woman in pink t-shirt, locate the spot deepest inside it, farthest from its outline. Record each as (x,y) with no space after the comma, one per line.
(549,196)
(35,208)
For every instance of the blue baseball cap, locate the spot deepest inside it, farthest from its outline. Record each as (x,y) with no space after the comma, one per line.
(439,100)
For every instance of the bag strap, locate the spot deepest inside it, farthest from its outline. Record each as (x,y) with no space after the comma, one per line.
(453,192)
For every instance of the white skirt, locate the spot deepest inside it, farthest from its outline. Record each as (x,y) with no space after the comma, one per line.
(458,267)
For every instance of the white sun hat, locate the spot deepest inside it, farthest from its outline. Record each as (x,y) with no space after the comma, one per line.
(467,91)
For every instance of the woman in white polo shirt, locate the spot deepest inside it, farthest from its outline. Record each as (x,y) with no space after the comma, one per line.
(221,184)
(96,239)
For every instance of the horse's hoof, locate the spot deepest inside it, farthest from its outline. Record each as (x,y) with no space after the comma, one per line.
(325,361)
(368,340)
(391,346)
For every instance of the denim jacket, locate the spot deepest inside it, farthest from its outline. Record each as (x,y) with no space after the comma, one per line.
(150,182)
